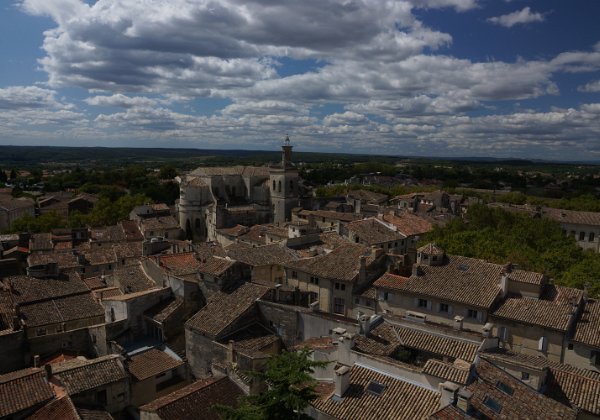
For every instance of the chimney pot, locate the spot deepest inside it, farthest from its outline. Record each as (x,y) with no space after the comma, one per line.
(342,381)
(464,400)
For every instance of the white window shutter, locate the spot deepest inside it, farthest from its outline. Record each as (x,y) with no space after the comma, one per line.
(543,344)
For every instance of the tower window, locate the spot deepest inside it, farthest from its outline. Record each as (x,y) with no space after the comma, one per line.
(273,185)
(279,186)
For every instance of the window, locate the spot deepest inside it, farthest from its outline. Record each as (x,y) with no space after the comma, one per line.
(375,388)
(472,313)
(543,344)
(591,237)
(294,274)
(279,186)
(504,388)
(386,296)
(40,332)
(356,301)
(274,185)
(581,236)
(340,286)
(570,346)
(338,306)
(492,404)
(573,233)
(368,303)
(422,303)
(503,333)
(314,280)
(444,307)
(434,258)
(524,376)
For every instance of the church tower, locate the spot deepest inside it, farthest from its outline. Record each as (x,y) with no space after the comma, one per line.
(283,183)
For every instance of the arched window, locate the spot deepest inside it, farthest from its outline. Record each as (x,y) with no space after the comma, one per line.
(273,185)
(279,185)
(291,184)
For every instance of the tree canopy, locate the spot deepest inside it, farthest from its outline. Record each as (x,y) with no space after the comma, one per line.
(290,388)
(534,244)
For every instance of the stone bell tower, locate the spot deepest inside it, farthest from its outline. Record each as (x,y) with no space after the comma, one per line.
(283,183)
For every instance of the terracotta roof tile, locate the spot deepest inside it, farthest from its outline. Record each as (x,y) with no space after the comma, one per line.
(59,409)
(195,400)
(343,263)
(83,375)
(88,414)
(587,329)
(390,281)
(553,310)
(23,389)
(572,216)
(372,231)
(61,309)
(30,289)
(522,402)
(180,264)
(132,279)
(222,310)
(151,363)
(399,399)
(447,371)
(408,224)
(216,266)
(261,255)
(581,391)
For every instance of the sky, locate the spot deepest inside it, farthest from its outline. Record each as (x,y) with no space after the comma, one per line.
(496,78)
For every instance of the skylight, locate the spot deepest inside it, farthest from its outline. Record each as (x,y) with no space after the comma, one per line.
(375,388)
(504,388)
(492,404)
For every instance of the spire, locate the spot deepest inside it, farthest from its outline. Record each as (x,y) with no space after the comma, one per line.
(286,155)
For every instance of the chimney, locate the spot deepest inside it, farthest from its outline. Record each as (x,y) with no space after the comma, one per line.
(342,381)
(36,360)
(448,392)
(365,324)
(458,322)
(230,351)
(48,368)
(277,291)
(416,270)
(464,400)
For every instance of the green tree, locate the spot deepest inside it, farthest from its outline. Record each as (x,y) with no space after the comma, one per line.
(167,172)
(13,174)
(290,390)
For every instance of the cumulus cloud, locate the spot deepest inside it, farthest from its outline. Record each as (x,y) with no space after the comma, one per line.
(590,87)
(518,17)
(16,97)
(120,100)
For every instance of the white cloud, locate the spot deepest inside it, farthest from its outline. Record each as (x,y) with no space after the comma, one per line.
(518,17)
(590,87)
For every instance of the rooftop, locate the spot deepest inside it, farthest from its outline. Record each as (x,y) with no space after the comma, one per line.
(398,399)
(222,310)
(151,363)
(554,309)
(372,231)
(83,375)
(408,224)
(587,328)
(30,289)
(61,309)
(447,371)
(261,255)
(195,400)
(23,389)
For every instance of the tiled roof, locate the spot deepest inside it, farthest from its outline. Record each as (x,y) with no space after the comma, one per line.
(330,215)
(332,240)
(222,309)
(253,339)
(587,328)
(163,310)
(369,293)
(107,292)
(196,400)
(9,203)
(316,343)
(431,249)
(131,230)
(157,223)
(23,389)
(97,282)
(31,289)
(180,264)
(261,255)
(522,402)
(216,266)
(151,363)
(572,216)
(108,234)
(253,171)
(83,375)
(127,250)
(88,414)
(40,241)
(408,224)
(342,263)
(366,195)
(98,256)
(132,279)
(372,231)
(383,341)
(237,230)
(61,309)
(399,399)
(466,280)
(390,281)
(447,371)
(59,409)
(64,259)
(450,412)
(553,310)
(570,387)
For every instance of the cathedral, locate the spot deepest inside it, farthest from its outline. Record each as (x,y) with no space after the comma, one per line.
(212,198)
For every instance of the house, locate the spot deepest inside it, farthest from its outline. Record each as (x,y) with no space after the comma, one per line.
(264,263)
(101,382)
(374,232)
(332,279)
(224,314)
(12,209)
(583,348)
(23,392)
(196,400)
(154,373)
